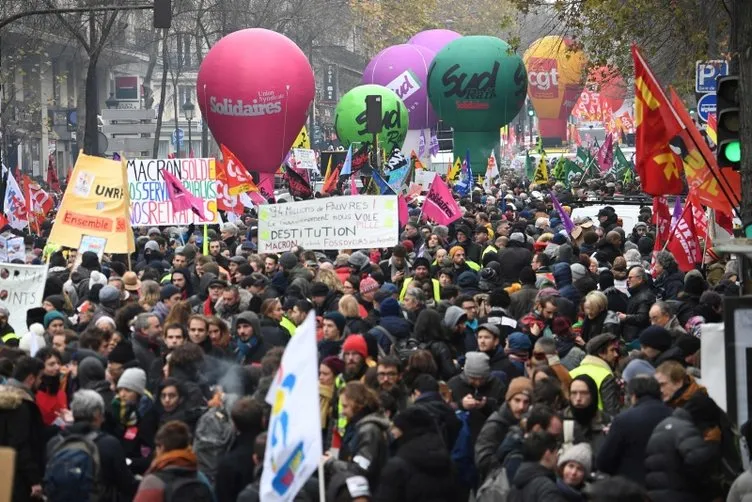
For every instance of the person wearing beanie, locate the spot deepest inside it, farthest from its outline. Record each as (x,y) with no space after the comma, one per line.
(422,273)
(324,298)
(623,451)
(392,330)
(137,418)
(421,467)
(575,465)
(120,358)
(599,363)
(637,368)
(109,303)
(355,356)
(516,404)
(654,341)
(54,323)
(169,296)
(463,240)
(249,345)
(333,328)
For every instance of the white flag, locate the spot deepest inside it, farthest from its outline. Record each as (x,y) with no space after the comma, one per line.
(293,447)
(15,203)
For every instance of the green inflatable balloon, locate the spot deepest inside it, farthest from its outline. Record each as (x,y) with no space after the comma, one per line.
(477,85)
(350,117)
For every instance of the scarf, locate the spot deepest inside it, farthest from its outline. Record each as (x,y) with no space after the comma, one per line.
(50,384)
(184,458)
(242,349)
(326,392)
(128,414)
(208,308)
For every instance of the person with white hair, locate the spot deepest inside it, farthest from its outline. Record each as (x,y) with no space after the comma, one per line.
(229,233)
(87,409)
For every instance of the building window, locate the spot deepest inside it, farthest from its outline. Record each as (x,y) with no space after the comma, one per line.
(185,93)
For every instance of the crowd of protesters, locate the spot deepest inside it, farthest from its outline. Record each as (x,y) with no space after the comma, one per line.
(499,351)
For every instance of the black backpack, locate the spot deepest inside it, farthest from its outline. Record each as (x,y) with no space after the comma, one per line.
(184,484)
(403,348)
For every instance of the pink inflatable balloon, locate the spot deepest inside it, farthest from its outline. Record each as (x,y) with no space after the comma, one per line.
(254,89)
(434,39)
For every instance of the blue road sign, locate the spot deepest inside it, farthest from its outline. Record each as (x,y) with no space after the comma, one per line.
(177,137)
(706,106)
(707,72)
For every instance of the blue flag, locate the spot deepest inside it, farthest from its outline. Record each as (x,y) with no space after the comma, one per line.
(347,166)
(465,185)
(383,186)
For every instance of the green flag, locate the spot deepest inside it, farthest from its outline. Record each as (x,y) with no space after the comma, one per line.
(558,171)
(539,146)
(583,155)
(572,171)
(621,161)
(529,166)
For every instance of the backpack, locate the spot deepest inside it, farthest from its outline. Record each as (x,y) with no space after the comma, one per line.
(463,453)
(495,488)
(212,439)
(402,348)
(73,470)
(184,484)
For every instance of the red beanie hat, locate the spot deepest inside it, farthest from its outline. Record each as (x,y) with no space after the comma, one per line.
(355,343)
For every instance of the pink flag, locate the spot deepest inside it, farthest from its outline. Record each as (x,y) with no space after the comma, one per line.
(403,210)
(266,186)
(353,186)
(605,155)
(257,198)
(181,198)
(439,205)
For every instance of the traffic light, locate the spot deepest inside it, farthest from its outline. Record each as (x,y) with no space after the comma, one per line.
(729,145)
(162,14)
(530,109)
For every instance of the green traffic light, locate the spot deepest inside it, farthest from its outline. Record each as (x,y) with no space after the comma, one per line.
(530,113)
(733,151)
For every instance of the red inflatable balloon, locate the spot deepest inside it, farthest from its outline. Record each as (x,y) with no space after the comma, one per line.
(254,89)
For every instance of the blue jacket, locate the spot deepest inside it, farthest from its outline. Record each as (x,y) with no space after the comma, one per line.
(563,276)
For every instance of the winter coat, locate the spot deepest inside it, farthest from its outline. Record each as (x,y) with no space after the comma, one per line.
(563,276)
(677,460)
(172,469)
(523,301)
(609,391)
(513,259)
(617,300)
(115,477)
(741,490)
(623,451)
(21,428)
(365,448)
(607,252)
(500,363)
(605,322)
(490,438)
(229,314)
(430,330)
(593,433)
(146,352)
(236,469)
(398,327)
(420,471)
(570,355)
(669,284)
(135,429)
(446,419)
(493,390)
(638,308)
(570,494)
(535,483)
(273,333)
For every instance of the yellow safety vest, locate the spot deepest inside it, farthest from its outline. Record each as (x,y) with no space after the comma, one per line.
(597,373)
(474,266)
(288,325)
(436,289)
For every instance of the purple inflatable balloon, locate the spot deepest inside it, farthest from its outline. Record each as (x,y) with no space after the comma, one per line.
(404,69)
(434,39)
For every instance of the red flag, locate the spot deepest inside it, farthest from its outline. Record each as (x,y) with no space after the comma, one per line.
(238,179)
(299,187)
(403,210)
(38,201)
(180,197)
(699,217)
(330,183)
(683,243)
(700,165)
(52,178)
(266,186)
(225,201)
(662,220)
(657,124)
(725,222)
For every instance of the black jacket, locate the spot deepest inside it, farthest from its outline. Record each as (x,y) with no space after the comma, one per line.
(623,450)
(513,259)
(365,448)
(678,459)
(420,471)
(638,308)
(669,284)
(490,438)
(535,483)
(235,470)
(115,477)
(523,301)
(21,428)
(273,334)
(145,352)
(446,419)
(493,390)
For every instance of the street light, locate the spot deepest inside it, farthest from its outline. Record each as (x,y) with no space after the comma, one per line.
(188,109)
(111,102)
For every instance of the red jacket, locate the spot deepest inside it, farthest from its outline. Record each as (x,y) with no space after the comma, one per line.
(50,404)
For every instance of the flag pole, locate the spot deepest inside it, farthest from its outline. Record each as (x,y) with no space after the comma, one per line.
(322,485)
(205,243)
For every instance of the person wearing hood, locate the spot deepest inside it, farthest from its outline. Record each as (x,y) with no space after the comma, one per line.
(92,376)
(575,465)
(563,276)
(455,319)
(248,343)
(639,231)
(198,300)
(514,258)
(174,461)
(535,480)
(468,283)
(425,395)
(430,330)
(669,279)
(78,285)
(636,318)
(463,240)
(476,391)
(598,365)
(365,447)
(495,429)
(568,349)
(136,419)
(420,469)
(58,267)
(392,326)
(590,424)
(182,279)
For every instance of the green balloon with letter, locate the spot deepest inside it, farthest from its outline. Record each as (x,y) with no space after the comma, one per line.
(350,117)
(477,84)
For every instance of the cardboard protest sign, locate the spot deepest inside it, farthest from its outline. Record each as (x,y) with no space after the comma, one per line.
(21,288)
(150,202)
(351,222)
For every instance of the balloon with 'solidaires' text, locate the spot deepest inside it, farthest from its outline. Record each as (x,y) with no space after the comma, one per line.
(254,89)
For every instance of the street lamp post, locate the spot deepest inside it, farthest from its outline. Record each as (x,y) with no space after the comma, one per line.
(188,109)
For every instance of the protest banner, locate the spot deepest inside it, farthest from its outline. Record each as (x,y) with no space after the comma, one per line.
(424,177)
(12,248)
(21,288)
(90,243)
(350,222)
(96,202)
(305,158)
(150,202)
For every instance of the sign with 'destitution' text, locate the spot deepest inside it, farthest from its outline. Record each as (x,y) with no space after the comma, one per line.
(352,222)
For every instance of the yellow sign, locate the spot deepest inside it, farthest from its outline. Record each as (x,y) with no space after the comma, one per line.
(96,203)
(541,172)
(302,141)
